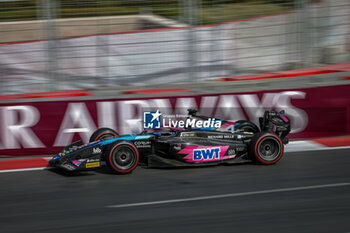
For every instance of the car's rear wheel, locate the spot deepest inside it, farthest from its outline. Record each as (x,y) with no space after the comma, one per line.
(266,148)
(247,126)
(103,134)
(122,157)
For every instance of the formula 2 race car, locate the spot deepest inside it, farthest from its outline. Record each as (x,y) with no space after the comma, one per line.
(244,142)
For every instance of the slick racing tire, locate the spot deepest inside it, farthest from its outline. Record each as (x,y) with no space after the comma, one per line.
(247,126)
(103,134)
(122,157)
(266,148)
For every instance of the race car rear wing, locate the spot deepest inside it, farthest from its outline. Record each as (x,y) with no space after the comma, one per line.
(276,122)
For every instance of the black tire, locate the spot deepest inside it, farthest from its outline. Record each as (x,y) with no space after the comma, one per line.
(103,134)
(122,157)
(266,148)
(247,126)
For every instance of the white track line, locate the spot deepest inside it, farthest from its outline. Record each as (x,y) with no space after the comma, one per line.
(25,169)
(228,195)
(300,146)
(297,146)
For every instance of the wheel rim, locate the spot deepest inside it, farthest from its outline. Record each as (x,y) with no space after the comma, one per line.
(269,149)
(124,158)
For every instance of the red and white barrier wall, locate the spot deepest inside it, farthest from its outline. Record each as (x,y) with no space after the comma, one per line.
(43,128)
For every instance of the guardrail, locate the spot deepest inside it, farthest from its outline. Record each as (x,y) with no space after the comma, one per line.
(207,40)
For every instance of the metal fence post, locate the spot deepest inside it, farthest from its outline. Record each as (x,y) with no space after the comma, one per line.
(191,39)
(49,13)
(304,34)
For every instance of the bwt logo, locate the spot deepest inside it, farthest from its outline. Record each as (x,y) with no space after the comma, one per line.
(151,120)
(206,153)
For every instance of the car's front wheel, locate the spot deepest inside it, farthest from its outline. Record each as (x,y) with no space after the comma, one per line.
(122,157)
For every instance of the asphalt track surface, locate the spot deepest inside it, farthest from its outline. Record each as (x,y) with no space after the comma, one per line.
(52,201)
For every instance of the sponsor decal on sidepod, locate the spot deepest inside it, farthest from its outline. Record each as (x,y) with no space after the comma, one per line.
(205,153)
